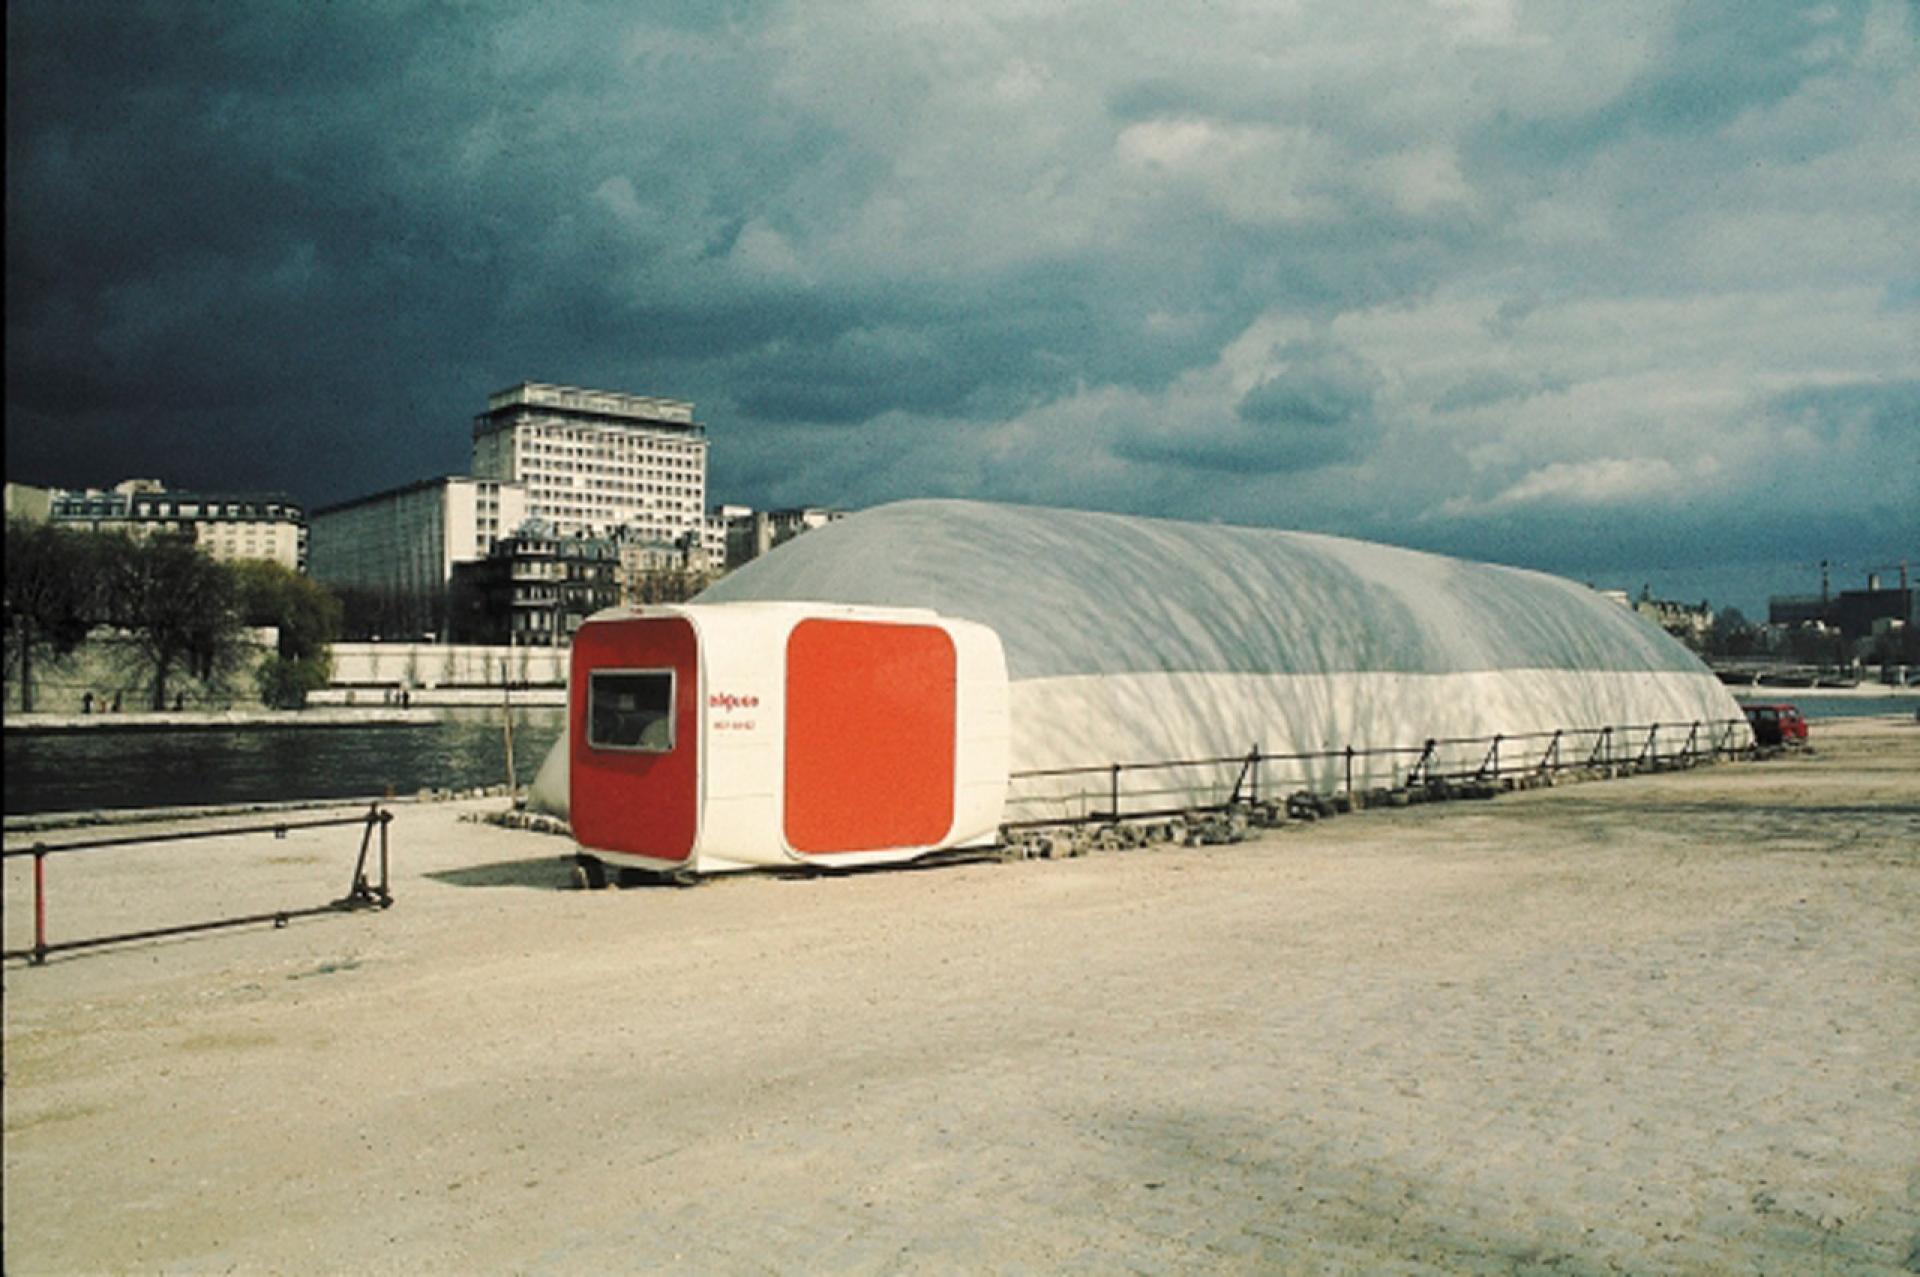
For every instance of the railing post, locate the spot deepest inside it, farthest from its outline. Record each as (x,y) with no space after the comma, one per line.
(1349,771)
(1115,811)
(1551,762)
(1253,774)
(39,904)
(360,893)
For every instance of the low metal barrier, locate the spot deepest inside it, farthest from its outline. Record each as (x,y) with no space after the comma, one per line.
(361,894)
(1241,778)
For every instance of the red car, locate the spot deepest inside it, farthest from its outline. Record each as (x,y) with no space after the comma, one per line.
(1777,724)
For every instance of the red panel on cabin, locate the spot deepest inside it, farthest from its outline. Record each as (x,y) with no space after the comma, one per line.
(870,736)
(635,786)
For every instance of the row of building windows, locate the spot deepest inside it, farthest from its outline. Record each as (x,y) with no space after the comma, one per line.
(562,509)
(93,508)
(678,473)
(602,500)
(637,433)
(562,479)
(628,455)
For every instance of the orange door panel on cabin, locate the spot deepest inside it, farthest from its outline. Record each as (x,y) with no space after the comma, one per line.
(635,738)
(869,736)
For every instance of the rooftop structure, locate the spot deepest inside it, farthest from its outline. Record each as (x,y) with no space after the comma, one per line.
(226,525)
(597,460)
(1855,613)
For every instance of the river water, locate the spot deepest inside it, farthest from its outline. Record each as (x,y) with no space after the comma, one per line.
(82,771)
(1815,706)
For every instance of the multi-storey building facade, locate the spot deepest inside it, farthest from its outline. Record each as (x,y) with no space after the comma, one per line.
(658,572)
(1684,621)
(391,555)
(409,538)
(596,460)
(226,525)
(751,533)
(534,588)
(714,532)
(1855,613)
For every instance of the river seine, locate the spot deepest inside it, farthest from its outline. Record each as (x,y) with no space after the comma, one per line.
(83,771)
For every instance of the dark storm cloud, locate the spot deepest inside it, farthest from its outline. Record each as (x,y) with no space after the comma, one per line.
(1524,290)
(1708,62)
(328,231)
(209,256)
(1886,415)
(1319,387)
(1315,409)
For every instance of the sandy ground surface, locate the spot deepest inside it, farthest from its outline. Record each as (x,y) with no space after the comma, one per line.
(1663,1024)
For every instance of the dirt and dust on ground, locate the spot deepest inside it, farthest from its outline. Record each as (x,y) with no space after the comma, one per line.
(1661,1024)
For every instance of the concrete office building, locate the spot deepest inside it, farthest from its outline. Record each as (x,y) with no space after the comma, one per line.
(597,460)
(406,540)
(752,533)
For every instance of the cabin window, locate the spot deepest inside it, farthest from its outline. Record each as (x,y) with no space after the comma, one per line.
(630,709)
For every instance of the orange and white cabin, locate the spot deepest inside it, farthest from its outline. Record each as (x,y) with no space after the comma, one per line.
(716,737)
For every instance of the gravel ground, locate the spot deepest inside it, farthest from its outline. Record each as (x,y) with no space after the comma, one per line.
(1662,1024)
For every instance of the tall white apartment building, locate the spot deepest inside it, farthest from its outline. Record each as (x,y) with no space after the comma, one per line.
(597,460)
(406,540)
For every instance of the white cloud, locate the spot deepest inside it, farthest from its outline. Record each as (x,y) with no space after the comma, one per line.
(1607,481)
(1255,174)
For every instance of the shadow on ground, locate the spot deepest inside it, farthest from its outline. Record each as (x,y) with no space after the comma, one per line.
(544,873)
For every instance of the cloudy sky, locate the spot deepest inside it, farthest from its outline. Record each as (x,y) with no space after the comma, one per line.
(1628,291)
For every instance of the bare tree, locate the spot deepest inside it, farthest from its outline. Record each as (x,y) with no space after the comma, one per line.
(51,600)
(177,606)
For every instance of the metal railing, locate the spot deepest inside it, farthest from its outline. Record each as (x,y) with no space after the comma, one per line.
(361,894)
(1203,784)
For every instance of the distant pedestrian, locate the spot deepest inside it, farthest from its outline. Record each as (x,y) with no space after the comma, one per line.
(116,702)
(86,703)
(179,701)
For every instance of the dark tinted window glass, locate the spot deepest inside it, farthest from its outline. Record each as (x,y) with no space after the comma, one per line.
(630,709)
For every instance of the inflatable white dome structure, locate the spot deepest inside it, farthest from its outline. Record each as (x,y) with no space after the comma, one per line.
(1076,640)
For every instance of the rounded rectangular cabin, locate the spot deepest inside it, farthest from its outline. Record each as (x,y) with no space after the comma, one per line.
(711,737)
